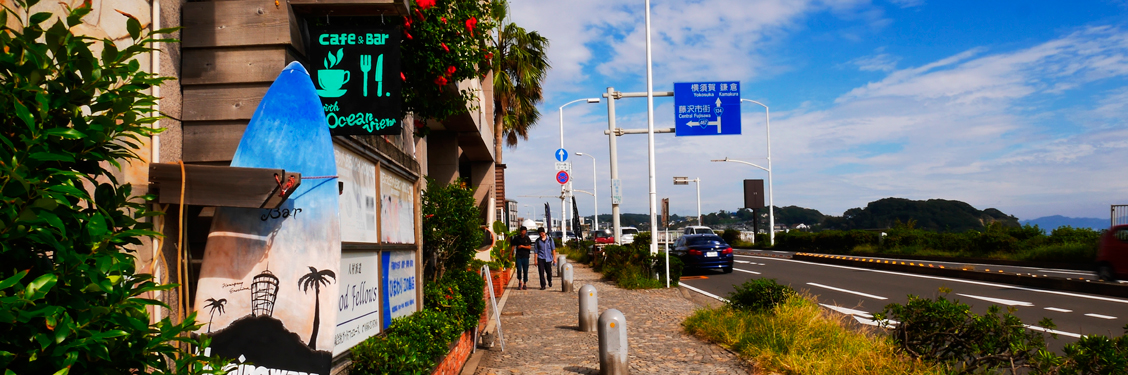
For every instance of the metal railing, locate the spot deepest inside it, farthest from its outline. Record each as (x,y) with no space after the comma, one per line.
(1119,214)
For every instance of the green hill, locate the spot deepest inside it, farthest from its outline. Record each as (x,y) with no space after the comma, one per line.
(933,214)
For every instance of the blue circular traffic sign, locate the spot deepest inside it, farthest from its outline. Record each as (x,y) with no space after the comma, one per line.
(561,155)
(562,177)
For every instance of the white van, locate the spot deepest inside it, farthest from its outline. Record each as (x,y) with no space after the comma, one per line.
(697,230)
(629,234)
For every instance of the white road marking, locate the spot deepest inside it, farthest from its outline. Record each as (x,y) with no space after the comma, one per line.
(703,292)
(1101,316)
(746,271)
(847,311)
(1014,287)
(847,291)
(861,316)
(1001,301)
(780,252)
(1054,331)
(1070,272)
(1059,310)
(743,261)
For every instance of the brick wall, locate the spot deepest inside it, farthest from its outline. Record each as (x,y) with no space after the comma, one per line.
(453,362)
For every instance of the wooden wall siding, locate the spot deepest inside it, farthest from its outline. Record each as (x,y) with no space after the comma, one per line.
(212,142)
(258,64)
(499,186)
(240,23)
(218,103)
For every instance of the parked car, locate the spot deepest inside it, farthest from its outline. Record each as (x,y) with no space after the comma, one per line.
(704,251)
(603,236)
(556,235)
(1112,255)
(697,230)
(629,234)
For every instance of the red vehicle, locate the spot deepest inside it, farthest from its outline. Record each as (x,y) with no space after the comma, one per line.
(603,237)
(1112,255)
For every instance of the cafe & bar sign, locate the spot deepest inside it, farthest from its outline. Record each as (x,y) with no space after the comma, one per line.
(356,73)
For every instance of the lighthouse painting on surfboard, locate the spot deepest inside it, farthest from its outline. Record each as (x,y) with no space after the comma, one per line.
(268,284)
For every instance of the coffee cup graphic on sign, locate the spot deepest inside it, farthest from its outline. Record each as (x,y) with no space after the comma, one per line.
(331,80)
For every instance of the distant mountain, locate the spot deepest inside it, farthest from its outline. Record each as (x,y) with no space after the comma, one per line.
(1050,223)
(933,214)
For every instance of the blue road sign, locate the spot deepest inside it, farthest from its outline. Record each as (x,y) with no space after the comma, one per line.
(562,177)
(561,155)
(707,108)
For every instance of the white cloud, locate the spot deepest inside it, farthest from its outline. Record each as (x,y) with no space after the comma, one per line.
(881,62)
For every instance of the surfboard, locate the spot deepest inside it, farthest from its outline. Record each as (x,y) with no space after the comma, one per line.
(268,283)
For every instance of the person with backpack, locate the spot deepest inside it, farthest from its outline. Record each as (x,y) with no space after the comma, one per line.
(522,246)
(545,250)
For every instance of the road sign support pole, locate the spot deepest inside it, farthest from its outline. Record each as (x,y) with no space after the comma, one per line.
(614,156)
(650,136)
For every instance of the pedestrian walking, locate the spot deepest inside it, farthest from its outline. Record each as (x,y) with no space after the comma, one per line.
(522,246)
(546,254)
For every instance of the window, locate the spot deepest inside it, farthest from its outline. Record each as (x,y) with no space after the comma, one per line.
(706,240)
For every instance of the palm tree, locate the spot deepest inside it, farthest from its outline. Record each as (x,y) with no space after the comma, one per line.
(519,66)
(314,279)
(214,304)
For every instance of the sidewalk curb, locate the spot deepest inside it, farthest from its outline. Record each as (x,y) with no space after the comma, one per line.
(471,365)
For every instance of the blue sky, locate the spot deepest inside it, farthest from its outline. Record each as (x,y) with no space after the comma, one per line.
(1016,105)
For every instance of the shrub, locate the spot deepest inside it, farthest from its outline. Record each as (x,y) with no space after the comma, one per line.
(730,236)
(459,295)
(450,230)
(501,255)
(1095,354)
(676,267)
(411,345)
(759,295)
(71,299)
(947,332)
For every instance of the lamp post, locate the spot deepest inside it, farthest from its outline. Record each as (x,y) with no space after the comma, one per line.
(594,189)
(697,181)
(563,200)
(650,138)
(771,196)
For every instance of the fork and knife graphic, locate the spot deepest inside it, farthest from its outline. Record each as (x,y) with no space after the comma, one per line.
(378,76)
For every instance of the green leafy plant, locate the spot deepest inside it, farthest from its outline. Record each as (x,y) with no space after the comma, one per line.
(947,332)
(444,43)
(410,345)
(71,300)
(450,230)
(501,255)
(759,295)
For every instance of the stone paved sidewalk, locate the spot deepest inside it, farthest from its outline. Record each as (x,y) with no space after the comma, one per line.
(542,334)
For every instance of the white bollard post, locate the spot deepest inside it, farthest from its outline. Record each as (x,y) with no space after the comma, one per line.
(561,260)
(589,308)
(613,343)
(566,278)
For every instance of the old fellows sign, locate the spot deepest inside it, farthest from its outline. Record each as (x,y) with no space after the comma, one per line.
(356,72)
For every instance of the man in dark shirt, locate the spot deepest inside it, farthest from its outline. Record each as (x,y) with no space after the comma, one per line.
(521,248)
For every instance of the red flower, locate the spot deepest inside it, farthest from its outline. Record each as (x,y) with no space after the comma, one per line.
(403,77)
(407,23)
(489,56)
(442,19)
(420,14)
(445,47)
(441,81)
(424,4)
(450,70)
(407,34)
(470,23)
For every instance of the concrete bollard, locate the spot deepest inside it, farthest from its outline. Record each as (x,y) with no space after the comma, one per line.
(566,278)
(613,343)
(561,260)
(589,308)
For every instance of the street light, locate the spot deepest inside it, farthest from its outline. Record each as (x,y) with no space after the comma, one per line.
(563,200)
(685,181)
(594,189)
(771,196)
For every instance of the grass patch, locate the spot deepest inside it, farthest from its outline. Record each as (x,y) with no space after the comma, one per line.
(799,337)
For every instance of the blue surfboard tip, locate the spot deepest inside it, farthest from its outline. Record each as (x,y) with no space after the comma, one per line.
(295,67)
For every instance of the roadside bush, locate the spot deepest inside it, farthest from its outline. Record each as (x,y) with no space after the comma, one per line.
(731,236)
(1094,355)
(947,332)
(1070,235)
(450,231)
(411,345)
(676,267)
(501,255)
(71,297)
(459,295)
(759,295)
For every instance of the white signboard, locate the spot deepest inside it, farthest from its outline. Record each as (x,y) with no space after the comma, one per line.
(616,191)
(358,300)
(398,279)
(564,166)
(358,197)
(397,209)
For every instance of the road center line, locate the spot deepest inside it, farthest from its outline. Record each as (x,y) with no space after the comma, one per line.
(746,271)
(1059,310)
(1054,331)
(847,291)
(1014,287)
(1001,301)
(1101,316)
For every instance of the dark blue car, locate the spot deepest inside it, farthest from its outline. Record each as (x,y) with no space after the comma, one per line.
(704,251)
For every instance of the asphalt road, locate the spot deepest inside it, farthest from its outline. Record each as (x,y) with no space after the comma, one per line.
(1039,271)
(858,292)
